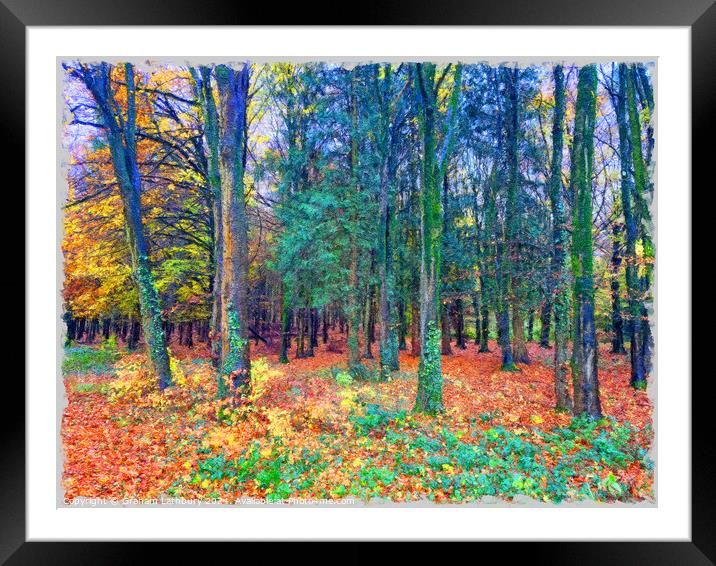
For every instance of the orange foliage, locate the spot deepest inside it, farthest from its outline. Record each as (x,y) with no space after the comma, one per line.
(124,439)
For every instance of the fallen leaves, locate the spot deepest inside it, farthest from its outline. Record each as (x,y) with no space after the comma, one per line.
(305,434)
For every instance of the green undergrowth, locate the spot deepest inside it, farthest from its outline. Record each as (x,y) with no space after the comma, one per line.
(280,474)
(84,359)
(583,461)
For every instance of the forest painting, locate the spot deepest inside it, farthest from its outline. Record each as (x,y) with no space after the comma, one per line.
(364,283)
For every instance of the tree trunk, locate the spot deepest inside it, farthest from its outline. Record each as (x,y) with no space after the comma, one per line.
(353,311)
(519,347)
(502,267)
(485,315)
(445,337)
(205,96)
(415,329)
(367,351)
(584,353)
(638,372)
(519,350)
(81,328)
(546,314)
(285,326)
(460,324)
(559,293)
(121,135)
(133,339)
(617,321)
(233,99)
(312,324)
(325,325)
(92,331)
(71,324)
(300,334)
(641,333)
(402,326)
(430,382)
(476,310)
(315,323)
(485,337)
(388,344)
(189,334)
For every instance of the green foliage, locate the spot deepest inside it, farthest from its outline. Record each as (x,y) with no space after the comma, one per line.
(88,388)
(279,473)
(371,477)
(501,463)
(344,379)
(91,359)
(375,419)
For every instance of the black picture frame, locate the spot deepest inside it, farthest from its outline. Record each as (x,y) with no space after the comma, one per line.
(699,15)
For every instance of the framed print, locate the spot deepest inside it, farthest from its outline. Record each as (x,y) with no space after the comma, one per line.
(422,277)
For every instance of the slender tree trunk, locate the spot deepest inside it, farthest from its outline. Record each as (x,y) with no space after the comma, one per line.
(314,328)
(71,327)
(519,347)
(445,337)
(430,382)
(285,326)
(325,325)
(204,94)
(584,353)
(429,397)
(559,292)
(233,89)
(353,311)
(388,341)
(121,134)
(106,327)
(133,339)
(367,351)
(502,268)
(309,332)
(638,372)
(402,326)
(478,322)
(460,324)
(485,315)
(641,187)
(617,321)
(189,334)
(485,337)
(81,325)
(546,317)
(92,331)
(300,334)
(415,329)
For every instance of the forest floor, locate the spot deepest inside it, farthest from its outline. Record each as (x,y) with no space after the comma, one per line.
(309,432)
